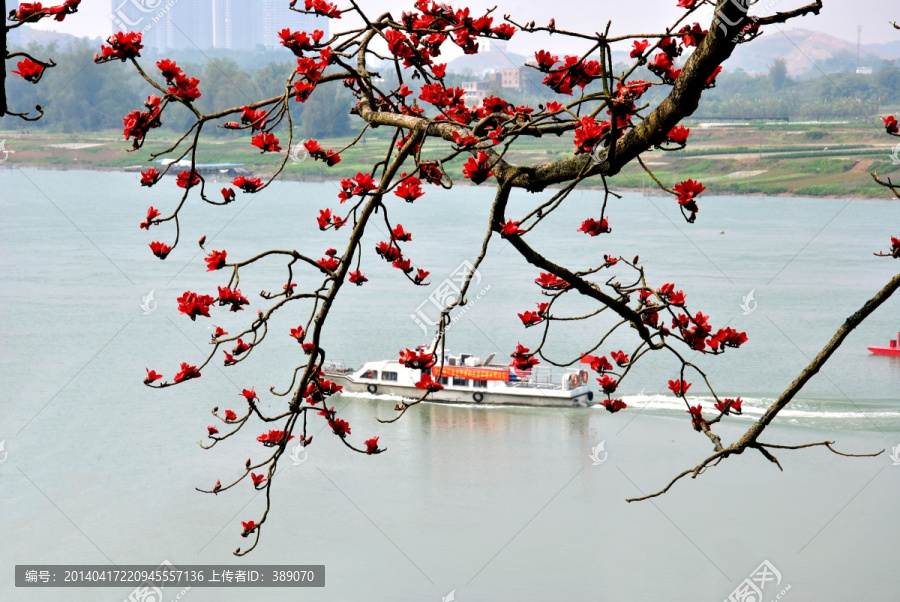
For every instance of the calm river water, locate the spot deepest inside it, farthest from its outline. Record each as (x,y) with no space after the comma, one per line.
(481,503)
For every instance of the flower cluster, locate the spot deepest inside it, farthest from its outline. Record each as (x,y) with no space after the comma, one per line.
(180,86)
(522,359)
(320,7)
(138,123)
(358,185)
(32,12)
(315,151)
(122,46)
(687,192)
(299,42)
(417,360)
(572,72)
(192,305)
(266,142)
(29,70)
(477,168)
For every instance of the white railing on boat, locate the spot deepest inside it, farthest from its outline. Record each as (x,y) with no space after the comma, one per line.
(335,366)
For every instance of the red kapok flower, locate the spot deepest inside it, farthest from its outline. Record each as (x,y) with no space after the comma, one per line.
(530,318)
(216,260)
(598,364)
(340,427)
(409,189)
(187,179)
(122,46)
(149,177)
(589,133)
(152,213)
(230,415)
(639,48)
(247,184)
(511,228)
(729,405)
(257,479)
(398,233)
(160,249)
(427,384)
(234,298)
(249,527)
(372,445)
(592,227)
(608,384)
(679,387)
(688,191)
(697,420)
(614,405)
(185,88)
(551,282)
(187,372)
(273,438)
(678,135)
(477,168)
(267,142)
(169,69)
(240,347)
(192,305)
(620,358)
(152,375)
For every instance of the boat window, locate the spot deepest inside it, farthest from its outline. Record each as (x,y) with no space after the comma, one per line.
(459,382)
(389,376)
(445,380)
(368,374)
(479,383)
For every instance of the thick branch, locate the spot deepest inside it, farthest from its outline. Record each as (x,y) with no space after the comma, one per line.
(750,438)
(3,31)
(816,364)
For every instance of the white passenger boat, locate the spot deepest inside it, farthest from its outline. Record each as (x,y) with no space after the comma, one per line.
(466,379)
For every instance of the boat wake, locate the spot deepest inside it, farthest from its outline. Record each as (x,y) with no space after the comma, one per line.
(881,415)
(828,412)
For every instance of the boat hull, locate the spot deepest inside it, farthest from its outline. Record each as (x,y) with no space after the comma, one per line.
(525,396)
(895,351)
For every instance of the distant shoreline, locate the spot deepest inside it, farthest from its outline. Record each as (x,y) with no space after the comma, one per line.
(834,161)
(654,192)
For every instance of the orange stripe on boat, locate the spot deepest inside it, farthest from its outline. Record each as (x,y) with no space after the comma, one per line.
(472,373)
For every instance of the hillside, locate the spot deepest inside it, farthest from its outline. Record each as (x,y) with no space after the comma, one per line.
(807,54)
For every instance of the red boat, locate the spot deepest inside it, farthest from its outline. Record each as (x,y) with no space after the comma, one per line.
(892,349)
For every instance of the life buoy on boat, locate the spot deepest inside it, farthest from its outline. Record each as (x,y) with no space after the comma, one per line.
(583,377)
(573,381)
(372,388)
(478,397)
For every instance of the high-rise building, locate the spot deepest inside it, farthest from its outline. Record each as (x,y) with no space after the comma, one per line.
(235,25)
(204,24)
(277,15)
(190,24)
(150,17)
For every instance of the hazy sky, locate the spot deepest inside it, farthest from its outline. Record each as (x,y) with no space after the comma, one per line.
(839,17)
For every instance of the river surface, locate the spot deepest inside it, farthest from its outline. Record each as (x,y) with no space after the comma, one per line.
(484,503)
